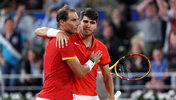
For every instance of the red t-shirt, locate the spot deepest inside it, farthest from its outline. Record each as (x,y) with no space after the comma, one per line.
(57,84)
(173,29)
(87,84)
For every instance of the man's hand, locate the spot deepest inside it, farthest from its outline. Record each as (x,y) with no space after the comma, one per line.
(96,56)
(61,37)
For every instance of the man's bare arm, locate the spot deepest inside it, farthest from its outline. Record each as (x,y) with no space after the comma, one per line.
(47,32)
(42,32)
(163,8)
(108,81)
(141,7)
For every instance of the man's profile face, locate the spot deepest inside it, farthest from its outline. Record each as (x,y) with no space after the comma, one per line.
(88,26)
(72,23)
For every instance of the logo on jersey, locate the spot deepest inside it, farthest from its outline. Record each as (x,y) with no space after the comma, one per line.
(76,43)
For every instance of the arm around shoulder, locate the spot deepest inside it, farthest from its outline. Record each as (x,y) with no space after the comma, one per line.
(46,32)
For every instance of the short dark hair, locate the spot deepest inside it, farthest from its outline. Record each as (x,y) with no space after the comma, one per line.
(152,4)
(62,13)
(90,13)
(8,18)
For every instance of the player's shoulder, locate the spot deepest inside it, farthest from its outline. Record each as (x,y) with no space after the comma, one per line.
(53,41)
(52,44)
(100,44)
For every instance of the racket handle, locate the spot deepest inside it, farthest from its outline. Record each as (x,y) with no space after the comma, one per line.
(117,95)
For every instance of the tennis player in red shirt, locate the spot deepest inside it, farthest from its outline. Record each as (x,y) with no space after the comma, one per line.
(59,63)
(84,43)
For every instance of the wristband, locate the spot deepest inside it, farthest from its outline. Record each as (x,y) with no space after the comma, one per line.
(52,32)
(92,60)
(90,63)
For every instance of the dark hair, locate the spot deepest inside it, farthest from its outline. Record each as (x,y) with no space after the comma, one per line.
(152,4)
(8,18)
(90,13)
(62,13)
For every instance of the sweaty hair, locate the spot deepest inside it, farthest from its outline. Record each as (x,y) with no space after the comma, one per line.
(62,13)
(90,13)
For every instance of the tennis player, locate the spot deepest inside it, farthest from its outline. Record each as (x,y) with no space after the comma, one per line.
(84,43)
(59,62)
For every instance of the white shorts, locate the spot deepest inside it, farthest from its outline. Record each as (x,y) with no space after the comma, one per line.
(84,97)
(38,98)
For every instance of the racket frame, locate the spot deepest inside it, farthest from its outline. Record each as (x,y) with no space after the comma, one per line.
(117,75)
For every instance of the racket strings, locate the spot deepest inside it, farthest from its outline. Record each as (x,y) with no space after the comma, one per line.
(132,67)
(123,70)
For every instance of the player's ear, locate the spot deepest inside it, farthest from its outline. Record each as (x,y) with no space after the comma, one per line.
(62,22)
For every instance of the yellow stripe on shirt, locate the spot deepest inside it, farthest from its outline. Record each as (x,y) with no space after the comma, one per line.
(68,58)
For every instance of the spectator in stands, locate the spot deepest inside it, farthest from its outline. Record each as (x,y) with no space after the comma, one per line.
(158,65)
(150,26)
(33,67)
(50,19)
(171,55)
(136,65)
(23,21)
(12,43)
(4,13)
(115,45)
(169,16)
(35,39)
(127,5)
(120,27)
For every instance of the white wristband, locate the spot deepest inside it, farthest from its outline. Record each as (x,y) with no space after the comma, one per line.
(90,64)
(52,32)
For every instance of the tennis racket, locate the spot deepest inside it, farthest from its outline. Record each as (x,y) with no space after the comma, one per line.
(131,67)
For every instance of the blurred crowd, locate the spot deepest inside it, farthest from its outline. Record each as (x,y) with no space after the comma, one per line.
(153,34)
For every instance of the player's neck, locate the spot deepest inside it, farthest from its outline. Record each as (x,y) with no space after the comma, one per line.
(65,32)
(88,41)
